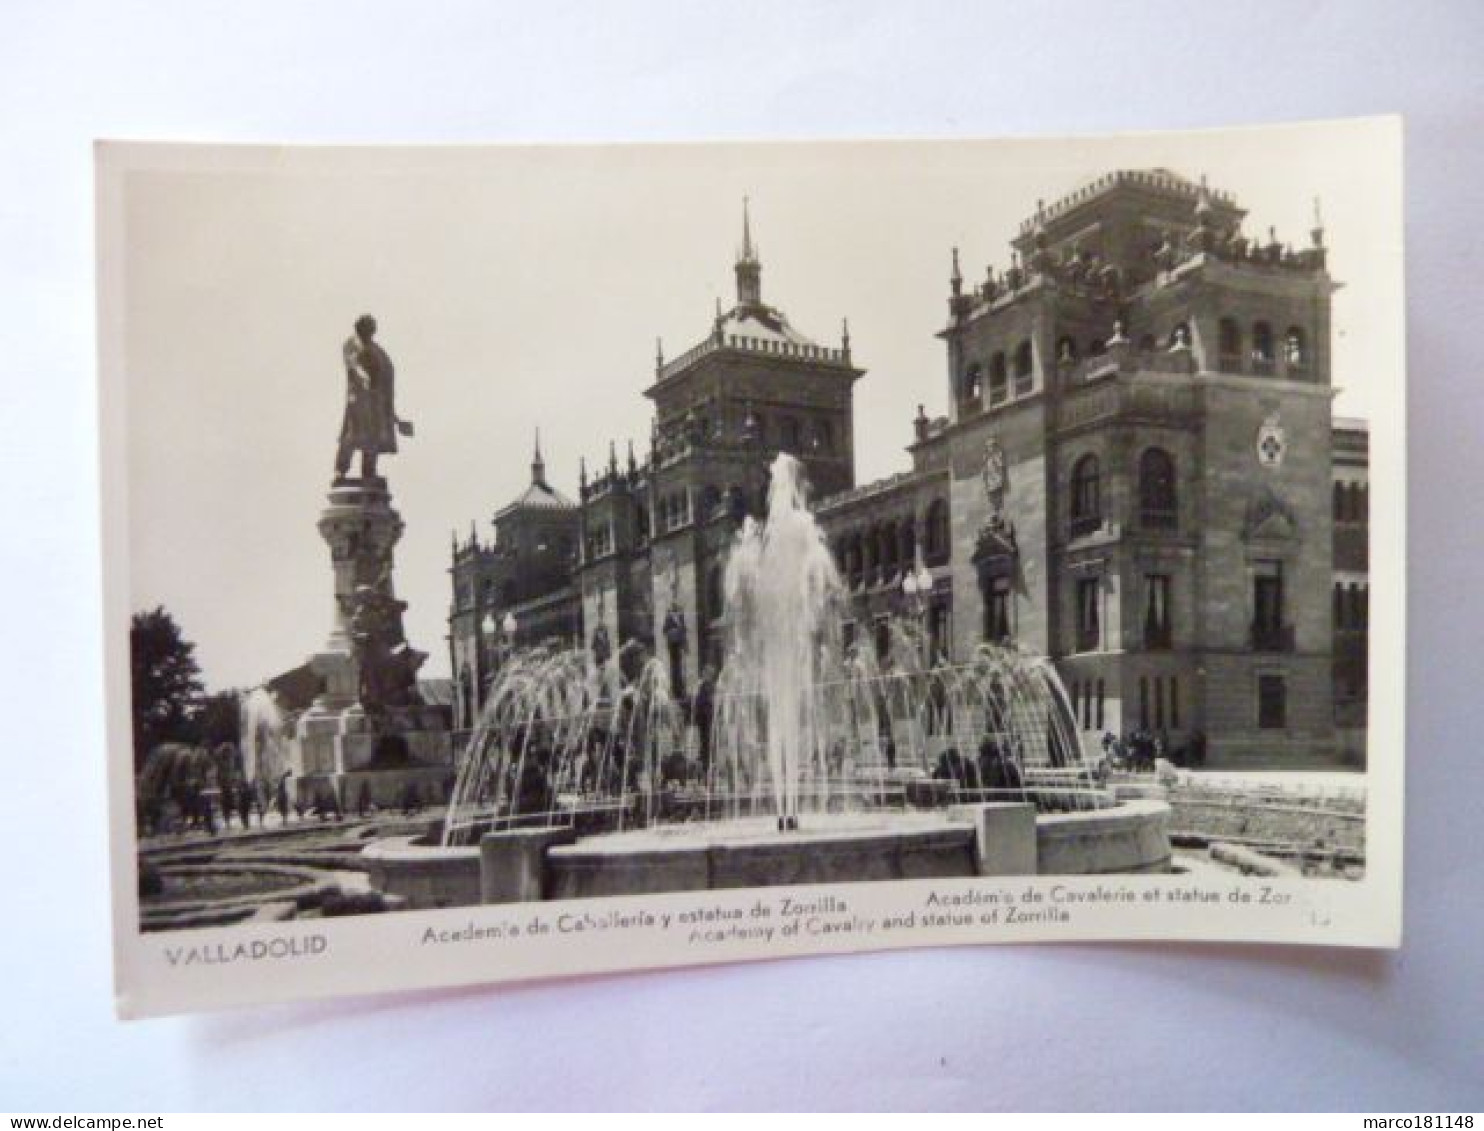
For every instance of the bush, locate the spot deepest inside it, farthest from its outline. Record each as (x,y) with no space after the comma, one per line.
(151,883)
(338,902)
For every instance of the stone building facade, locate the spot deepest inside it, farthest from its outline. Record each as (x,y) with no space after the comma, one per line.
(1351,513)
(1137,475)
(516,590)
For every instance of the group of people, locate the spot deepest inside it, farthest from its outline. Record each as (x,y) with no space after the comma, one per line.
(192,804)
(1141,750)
(995,771)
(196,789)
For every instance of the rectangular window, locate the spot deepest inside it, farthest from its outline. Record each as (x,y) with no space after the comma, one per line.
(1143,702)
(1157,630)
(1100,704)
(1159,702)
(847,635)
(1272,702)
(1269,633)
(883,639)
(1089,635)
(1174,703)
(940,636)
(997,611)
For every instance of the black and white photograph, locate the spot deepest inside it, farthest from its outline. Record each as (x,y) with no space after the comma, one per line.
(547,559)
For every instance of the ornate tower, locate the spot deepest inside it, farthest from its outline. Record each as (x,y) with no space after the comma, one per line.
(749,268)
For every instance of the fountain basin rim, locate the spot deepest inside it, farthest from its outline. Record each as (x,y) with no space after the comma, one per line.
(759,833)
(1124,811)
(407,850)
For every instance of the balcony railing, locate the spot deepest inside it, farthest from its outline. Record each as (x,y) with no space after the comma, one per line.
(1082,525)
(1272,638)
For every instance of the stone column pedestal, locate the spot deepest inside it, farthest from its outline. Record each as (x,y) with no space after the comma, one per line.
(1004,837)
(337,735)
(512,864)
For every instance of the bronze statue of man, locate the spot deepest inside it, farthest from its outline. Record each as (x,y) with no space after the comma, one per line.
(371,425)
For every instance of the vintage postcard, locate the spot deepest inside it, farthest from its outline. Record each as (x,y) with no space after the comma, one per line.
(523,561)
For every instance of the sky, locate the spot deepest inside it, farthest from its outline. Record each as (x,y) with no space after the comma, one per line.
(525,287)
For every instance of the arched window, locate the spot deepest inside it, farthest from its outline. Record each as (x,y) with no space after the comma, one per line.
(1262,347)
(824,436)
(1229,346)
(1179,337)
(887,534)
(1087,503)
(1024,369)
(1066,351)
(855,559)
(470,704)
(936,548)
(710,501)
(1295,350)
(907,541)
(999,385)
(973,385)
(793,440)
(870,560)
(715,594)
(1157,498)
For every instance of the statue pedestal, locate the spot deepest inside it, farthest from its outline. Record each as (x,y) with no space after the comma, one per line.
(368,734)
(362,530)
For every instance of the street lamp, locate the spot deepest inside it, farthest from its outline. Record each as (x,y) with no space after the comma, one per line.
(508,625)
(917,586)
(487,643)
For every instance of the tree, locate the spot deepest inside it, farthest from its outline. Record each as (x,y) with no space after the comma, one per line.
(218,718)
(166,682)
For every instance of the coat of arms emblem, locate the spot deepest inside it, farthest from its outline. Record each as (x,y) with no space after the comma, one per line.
(1272,442)
(994,474)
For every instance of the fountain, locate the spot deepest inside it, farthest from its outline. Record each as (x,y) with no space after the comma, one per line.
(584,776)
(267,753)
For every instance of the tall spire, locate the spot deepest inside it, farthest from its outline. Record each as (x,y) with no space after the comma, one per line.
(538,465)
(749,268)
(747,252)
